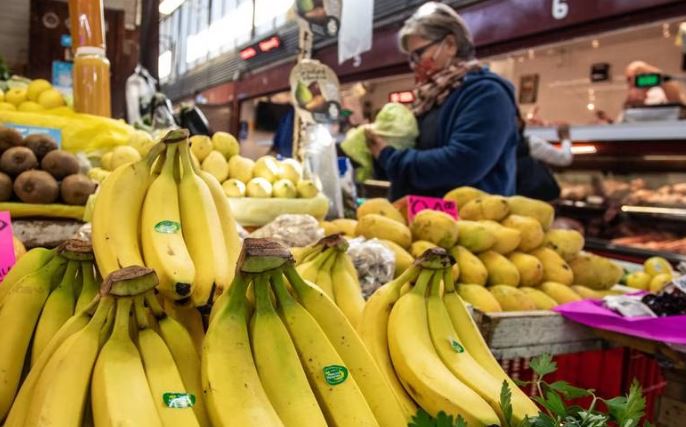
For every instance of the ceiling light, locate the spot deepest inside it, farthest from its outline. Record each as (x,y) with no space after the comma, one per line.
(595,43)
(590,106)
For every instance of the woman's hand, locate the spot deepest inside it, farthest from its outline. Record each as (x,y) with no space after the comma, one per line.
(376,143)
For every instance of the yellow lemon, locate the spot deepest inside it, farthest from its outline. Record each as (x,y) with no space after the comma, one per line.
(51,98)
(36,87)
(30,106)
(15,96)
(6,106)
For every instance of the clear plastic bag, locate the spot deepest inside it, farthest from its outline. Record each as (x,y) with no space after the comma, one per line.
(374,262)
(292,230)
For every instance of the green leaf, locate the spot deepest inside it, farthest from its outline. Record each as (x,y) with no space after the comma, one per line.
(555,404)
(543,365)
(544,420)
(460,422)
(506,403)
(422,419)
(444,420)
(569,391)
(627,411)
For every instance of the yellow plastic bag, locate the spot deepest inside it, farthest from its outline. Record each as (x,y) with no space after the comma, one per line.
(52,210)
(256,212)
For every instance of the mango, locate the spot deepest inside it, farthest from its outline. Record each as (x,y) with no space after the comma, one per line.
(487,207)
(382,207)
(512,299)
(657,265)
(474,236)
(345,225)
(541,211)
(418,247)
(500,270)
(639,280)
(595,272)
(530,229)
(542,301)
(586,292)
(567,243)
(555,269)
(479,297)
(530,268)
(472,270)
(403,260)
(559,292)
(463,195)
(435,227)
(382,227)
(506,239)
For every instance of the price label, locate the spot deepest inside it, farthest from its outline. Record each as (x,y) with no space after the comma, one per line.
(416,204)
(7,258)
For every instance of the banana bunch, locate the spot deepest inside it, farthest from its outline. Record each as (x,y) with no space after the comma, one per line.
(37,297)
(328,265)
(119,360)
(428,347)
(294,359)
(165,213)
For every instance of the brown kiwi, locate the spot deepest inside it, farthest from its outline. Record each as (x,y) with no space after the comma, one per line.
(9,138)
(16,160)
(76,188)
(5,187)
(40,144)
(60,164)
(36,186)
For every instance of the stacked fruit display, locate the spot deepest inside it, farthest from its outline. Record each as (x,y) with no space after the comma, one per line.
(242,177)
(508,257)
(38,95)
(656,273)
(138,146)
(165,213)
(35,171)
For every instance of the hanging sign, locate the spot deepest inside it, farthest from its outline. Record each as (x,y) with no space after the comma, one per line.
(315,92)
(322,16)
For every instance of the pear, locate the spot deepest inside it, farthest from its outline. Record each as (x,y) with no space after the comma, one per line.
(241,168)
(234,188)
(259,187)
(307,189)
(267,167)
(226,144)
(284,189)
(292,170)
(201,146)
(216,164)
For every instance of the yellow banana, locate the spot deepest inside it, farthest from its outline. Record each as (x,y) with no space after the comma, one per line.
(20,314)
(174,404)
(120,394)
(30,262)
(58,308)
(191,319)
(311,270)
(420,369)
(185,354)
(347,290)
(89,286)
(278,366)
(66,376)
(20,407)
(232,386)
(352,350)
(450,349)
(373,329)
(201,224)
(338,393)
(117,212)
(164,248)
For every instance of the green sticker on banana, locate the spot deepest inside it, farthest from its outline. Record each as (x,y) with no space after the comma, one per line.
(335,374)
(455,345)
(167,227)
(178,400)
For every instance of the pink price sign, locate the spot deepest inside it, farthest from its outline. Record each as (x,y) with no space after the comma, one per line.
(416,204)
(7,259)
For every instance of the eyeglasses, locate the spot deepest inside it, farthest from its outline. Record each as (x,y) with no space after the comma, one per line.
(416,55)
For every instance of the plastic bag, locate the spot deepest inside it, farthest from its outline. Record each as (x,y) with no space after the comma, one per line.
(355,35)
(292,230)
(256,212)
(374,262)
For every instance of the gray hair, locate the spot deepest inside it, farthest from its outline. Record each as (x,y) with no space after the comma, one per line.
(434,21)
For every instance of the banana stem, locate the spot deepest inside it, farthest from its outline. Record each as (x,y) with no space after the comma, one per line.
(141,312)
(297,282)
(279,285)
(70,275)
(422,282)
(261,287)
(448,280)
(435,289)
(121,317)
(169,160)
(154,153)
(106,329)
(155,306)
(185,156)
(237,298)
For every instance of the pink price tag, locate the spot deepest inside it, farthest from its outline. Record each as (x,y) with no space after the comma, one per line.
(7,259)
(416,204)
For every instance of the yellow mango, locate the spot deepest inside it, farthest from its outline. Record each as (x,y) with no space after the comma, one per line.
(463,195)
(380,206)
(559,292)
(512,299)
(381,227)
(479,297)
(435,227)
(531,231)
(403,260)
(500,270)
(472,270)
(567,243)
(487,207)
(540,298)
(474,236)
(541,211)
(419,247)
(530,268)
(555,269)
(506,239)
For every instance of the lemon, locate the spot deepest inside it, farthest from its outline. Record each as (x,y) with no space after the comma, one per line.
(15,96)
(638,280)
(259,187)
(659,282)
(657,265)
(122,155)
(307,189)
(6,106)
(226,144)
(30,106)
(37,87)
(234,188)
(201,146)
(51,98)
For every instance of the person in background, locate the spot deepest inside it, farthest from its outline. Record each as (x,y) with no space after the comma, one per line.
(543,150)
(667,92)
(467,114)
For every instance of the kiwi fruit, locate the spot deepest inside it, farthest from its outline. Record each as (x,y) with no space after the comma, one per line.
(34,186)
(5,187)
(59,164)
(40,144)
(76,188)
(9,138)
(17,160)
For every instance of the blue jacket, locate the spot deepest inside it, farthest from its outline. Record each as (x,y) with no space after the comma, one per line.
(477,144)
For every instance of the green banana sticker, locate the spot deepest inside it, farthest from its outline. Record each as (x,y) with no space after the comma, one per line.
(178,400)
(335,374)
(455,345)
(167,227)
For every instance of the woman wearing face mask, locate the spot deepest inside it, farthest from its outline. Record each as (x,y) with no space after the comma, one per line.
(466,114)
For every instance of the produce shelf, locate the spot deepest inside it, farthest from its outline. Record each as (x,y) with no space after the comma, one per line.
(628,253)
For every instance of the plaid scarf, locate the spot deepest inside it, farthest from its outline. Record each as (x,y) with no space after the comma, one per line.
(441,84)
